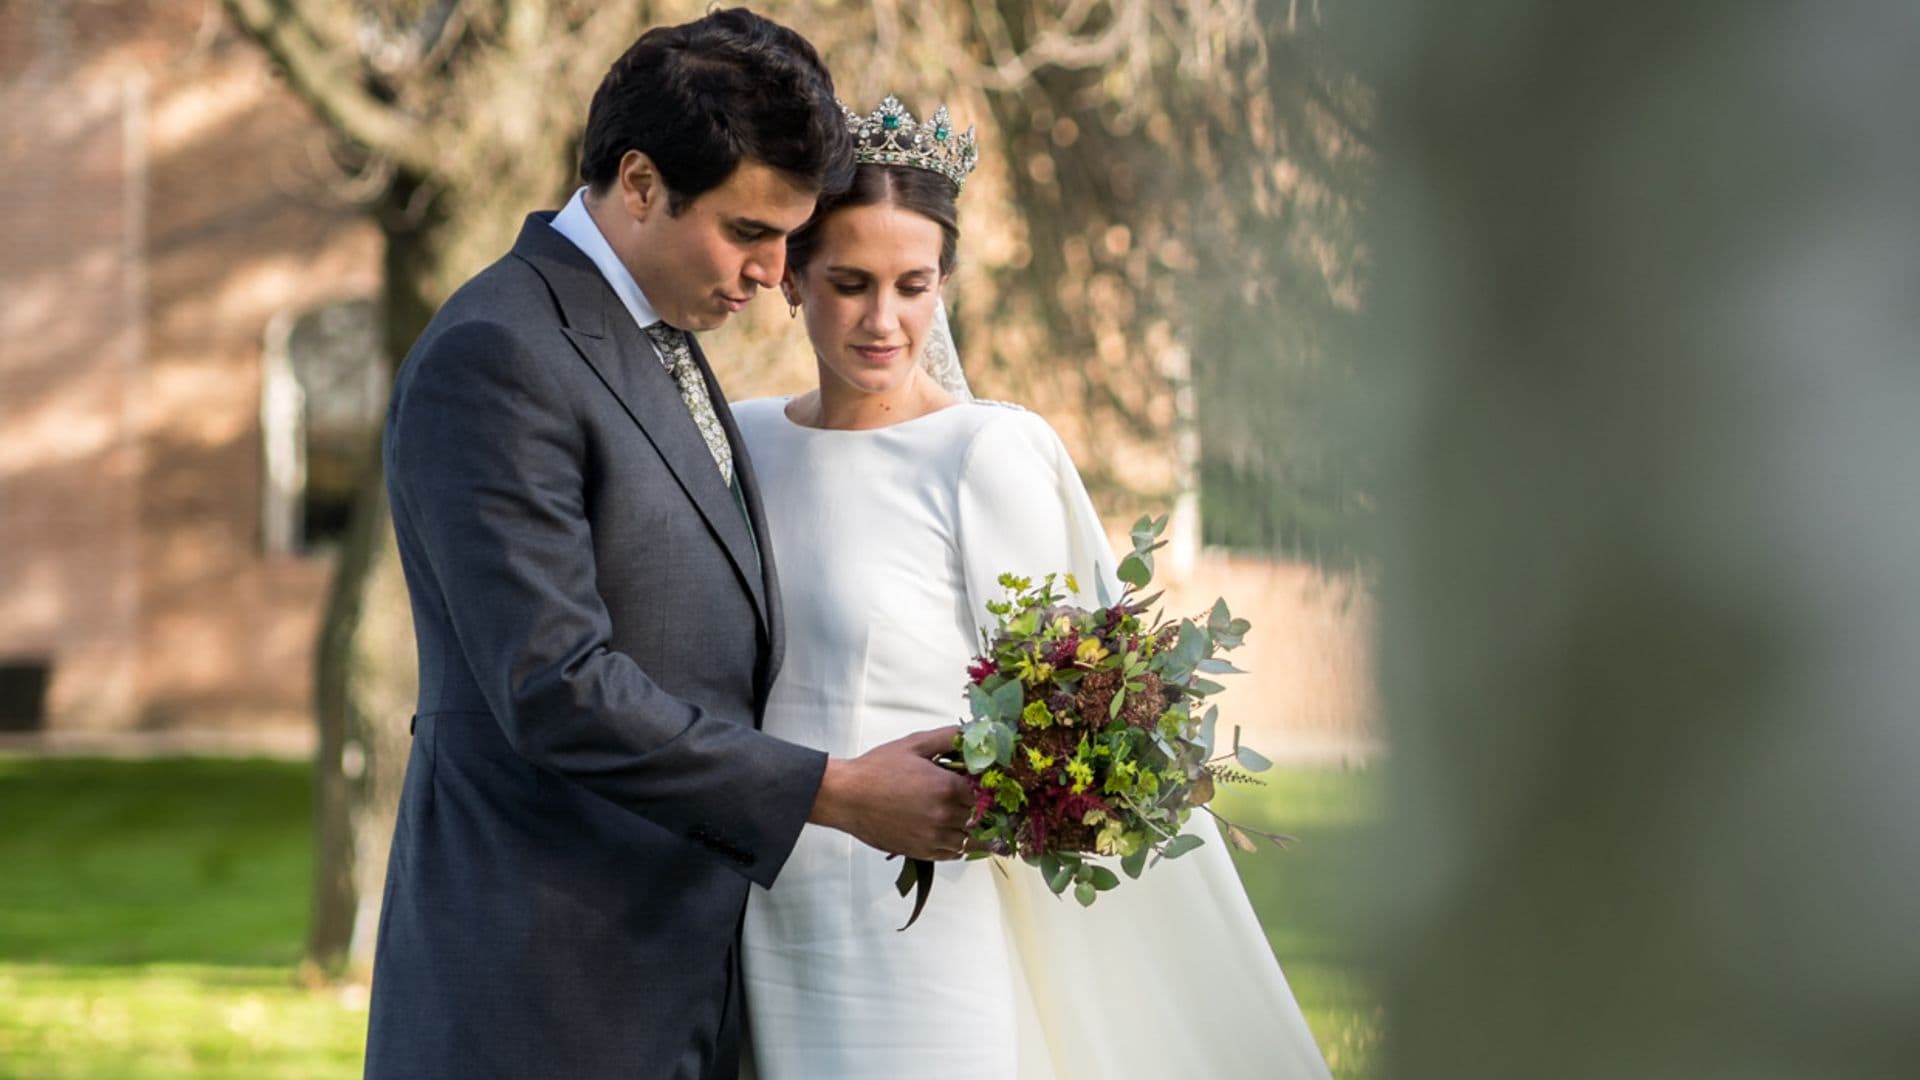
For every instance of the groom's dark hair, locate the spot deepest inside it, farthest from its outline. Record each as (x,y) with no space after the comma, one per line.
(700,97)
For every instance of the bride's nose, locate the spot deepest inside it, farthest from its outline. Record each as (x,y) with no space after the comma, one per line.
(882,315)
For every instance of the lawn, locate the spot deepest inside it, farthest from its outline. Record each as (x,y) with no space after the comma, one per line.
(151,914)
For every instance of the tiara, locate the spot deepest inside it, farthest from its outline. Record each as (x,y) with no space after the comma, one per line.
(889,136)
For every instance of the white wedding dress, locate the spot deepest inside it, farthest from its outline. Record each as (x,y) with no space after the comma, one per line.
(889,543)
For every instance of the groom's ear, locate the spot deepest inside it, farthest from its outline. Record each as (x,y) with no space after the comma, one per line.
(642,191)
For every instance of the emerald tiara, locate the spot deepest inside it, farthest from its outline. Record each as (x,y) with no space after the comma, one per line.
(890,136)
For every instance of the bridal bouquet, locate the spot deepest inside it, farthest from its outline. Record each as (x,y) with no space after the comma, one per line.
(1089,738)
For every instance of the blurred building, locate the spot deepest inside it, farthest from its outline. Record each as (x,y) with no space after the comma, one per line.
(183,345)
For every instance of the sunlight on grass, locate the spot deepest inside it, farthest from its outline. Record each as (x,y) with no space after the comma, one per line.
(1302,899)
(151,915)
(172,1021)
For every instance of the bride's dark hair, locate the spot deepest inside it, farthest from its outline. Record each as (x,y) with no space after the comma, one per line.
(922,191)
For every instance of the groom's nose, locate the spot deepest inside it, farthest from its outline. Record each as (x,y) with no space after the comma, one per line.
(765,264)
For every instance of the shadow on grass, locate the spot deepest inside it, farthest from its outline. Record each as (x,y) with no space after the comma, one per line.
(186,860)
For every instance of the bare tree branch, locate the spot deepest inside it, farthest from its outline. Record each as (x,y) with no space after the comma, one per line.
(322,74)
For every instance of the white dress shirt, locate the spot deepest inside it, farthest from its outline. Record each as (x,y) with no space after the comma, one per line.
(574,223)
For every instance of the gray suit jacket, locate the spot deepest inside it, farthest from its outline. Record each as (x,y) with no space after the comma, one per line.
(588,795)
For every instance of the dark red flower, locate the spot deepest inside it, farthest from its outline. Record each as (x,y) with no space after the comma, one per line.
(1064,649)
(982,669)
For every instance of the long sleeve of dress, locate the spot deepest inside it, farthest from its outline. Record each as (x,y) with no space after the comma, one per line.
(1167,975)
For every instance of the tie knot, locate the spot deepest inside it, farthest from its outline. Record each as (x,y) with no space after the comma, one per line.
(672,344)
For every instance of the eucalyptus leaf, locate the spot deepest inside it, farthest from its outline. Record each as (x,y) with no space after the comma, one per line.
(1180,845)
(1060,878)
(1084,893)
(979,701)
(1252,760)
(1205,686)
(1136,570)
(1214,666)
(1003,741)
(1207,721)
(1191,645)
(1145,530)
(1008,700)
(978,747)
(1219,618)
(1136,862)
(1103,879)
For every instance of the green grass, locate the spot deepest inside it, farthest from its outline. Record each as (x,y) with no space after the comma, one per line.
(151,915)
(1300,896)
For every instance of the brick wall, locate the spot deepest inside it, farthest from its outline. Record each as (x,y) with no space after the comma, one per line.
(162,198)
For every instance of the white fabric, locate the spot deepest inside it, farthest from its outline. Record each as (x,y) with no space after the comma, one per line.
(576,224)
(889,544)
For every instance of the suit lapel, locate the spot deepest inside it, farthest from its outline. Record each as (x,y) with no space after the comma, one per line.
(625,361)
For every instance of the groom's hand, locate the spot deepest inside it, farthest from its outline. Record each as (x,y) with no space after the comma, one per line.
(893,797)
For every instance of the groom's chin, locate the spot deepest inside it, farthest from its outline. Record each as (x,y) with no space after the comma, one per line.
(709,317)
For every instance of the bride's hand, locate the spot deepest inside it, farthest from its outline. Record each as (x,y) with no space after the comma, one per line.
(896,798)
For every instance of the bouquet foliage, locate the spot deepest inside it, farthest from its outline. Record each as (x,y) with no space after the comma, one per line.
(1091,736)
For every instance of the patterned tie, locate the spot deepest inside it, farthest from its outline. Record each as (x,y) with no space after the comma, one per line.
(677,355)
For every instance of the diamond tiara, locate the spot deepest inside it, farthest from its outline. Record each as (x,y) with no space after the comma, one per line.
(889,136)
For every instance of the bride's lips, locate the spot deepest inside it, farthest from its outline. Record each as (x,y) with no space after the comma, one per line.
(878,354)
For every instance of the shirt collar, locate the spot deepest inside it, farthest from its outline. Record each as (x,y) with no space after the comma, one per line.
(577,225)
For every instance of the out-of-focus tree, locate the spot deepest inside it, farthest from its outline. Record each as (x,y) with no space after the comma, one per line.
(1169,243)
(1159,230)
(1651,581)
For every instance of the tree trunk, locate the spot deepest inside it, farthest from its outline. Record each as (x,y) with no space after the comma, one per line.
(1646,403)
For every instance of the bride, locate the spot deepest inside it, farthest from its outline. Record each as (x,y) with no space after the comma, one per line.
(894,503)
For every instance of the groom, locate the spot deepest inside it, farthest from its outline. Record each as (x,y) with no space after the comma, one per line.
(597,613)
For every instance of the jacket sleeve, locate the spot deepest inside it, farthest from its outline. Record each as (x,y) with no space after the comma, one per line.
(485,464)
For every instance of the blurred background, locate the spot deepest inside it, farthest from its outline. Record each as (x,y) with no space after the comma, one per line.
(224,222)
(1541,380)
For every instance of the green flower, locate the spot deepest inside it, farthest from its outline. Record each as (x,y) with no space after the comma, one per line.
(1081,774)
(1037,715)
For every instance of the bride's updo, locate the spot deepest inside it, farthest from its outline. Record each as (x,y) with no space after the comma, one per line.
(921,191)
